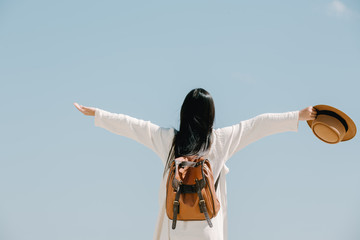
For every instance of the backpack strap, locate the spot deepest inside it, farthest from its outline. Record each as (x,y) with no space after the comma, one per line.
(217,181)
(176,206)
(202,204)
(182,164)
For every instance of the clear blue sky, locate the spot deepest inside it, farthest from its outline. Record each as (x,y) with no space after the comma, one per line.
(63,178)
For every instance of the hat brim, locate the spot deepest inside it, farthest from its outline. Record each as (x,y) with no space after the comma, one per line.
(351,132)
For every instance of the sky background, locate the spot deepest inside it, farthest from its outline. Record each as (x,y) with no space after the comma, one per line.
(62,178)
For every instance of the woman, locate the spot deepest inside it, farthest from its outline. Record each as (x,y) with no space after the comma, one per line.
(197,136)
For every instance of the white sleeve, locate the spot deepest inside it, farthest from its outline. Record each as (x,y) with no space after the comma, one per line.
(238,136)
(151,135)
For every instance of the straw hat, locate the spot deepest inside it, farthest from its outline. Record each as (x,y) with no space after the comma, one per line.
(332,125)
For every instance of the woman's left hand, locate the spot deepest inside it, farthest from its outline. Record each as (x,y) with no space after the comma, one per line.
(308,113)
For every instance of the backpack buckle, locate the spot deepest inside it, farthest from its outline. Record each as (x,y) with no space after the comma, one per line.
(202,205)
(176,206)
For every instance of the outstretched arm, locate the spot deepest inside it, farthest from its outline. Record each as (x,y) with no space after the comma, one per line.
(238,136)
(151,135)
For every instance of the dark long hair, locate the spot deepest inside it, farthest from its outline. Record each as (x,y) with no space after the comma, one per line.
(196,124)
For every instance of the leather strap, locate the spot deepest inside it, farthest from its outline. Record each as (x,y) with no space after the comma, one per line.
(202,204)
(192,188)
(217,182)
(188,188)
(182,164)
(176,207)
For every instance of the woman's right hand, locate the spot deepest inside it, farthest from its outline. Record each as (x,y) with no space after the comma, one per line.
(308,113)
(88,111)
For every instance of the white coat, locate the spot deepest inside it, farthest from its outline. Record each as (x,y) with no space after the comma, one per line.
(225,142)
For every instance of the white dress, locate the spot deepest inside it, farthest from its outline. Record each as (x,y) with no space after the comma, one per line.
(225,142)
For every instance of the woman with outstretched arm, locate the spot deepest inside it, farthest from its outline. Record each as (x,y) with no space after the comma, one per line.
(196,136)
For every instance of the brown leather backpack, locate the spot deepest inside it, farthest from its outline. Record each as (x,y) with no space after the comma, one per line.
(190,191)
